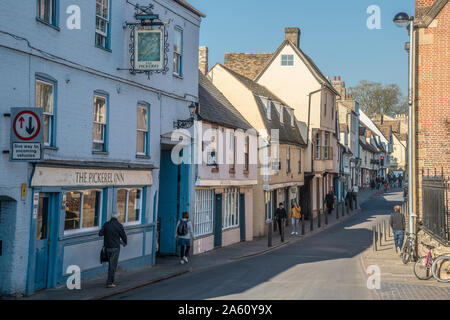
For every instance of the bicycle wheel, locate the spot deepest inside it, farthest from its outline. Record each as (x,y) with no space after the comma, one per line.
(421,270)
(406,254)
(441,269)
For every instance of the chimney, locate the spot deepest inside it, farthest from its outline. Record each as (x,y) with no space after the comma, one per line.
(203,60)
(293,34)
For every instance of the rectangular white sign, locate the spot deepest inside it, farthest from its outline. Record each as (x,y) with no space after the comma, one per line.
(26,151)
(74,177)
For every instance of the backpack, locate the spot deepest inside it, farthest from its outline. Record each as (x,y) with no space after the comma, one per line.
(182,229)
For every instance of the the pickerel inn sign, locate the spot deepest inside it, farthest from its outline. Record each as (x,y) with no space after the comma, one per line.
(149,45)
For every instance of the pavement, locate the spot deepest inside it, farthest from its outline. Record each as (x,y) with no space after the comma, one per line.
(168,269)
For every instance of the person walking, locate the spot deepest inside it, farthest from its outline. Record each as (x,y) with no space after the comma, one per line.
(184,234)
(280,216)
(113,232)
(397,223)
(295,218)
(329,201)
(349,199)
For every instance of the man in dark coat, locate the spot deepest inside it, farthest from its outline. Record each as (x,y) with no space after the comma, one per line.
(349,199)
(113,232)
(397,223)
(329,201)
(281,216)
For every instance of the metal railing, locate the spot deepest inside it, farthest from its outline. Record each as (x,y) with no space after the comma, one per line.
(435,205)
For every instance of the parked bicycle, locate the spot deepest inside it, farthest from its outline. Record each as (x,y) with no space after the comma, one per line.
(407,254)
(427,266)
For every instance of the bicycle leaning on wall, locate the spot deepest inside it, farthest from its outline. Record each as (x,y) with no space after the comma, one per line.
(427,266)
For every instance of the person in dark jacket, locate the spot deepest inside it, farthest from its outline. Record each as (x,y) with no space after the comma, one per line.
(329,201)
(397,223)
(349,199)
(281,216)
(113,232)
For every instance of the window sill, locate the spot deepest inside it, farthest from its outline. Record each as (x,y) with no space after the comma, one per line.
(47,24)
(142,156)
(101,153)
(178,76)
(51,148)
(104,49)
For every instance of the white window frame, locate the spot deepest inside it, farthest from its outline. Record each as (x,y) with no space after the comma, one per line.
(145,132)
(204,212)
(106,20)
(139,221)
(103,124)
(48,114)
(287,60)
(100,210)
(230,219)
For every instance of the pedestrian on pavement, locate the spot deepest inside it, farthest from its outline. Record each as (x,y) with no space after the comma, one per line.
(280,216)
(405,194)
(397,223)
(184,234)
(400,181)
(295,218)
(329,201)
(113,232)
(349,199)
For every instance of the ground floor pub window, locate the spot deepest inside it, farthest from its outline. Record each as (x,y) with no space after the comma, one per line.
(83,210)
(230,208)
(203,212)
(129,204)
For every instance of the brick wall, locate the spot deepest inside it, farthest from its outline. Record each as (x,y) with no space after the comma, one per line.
(432,97)
(247,64)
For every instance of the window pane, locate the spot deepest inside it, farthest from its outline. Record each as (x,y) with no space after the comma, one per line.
(47,128)
(91,208)
(134,205)
(97,146)
(142,118)
(44,96)
(121,204)
(99,109)
(98,132)
(141,142)
(73,210)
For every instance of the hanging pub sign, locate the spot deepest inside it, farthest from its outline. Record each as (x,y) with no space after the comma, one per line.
(149,50)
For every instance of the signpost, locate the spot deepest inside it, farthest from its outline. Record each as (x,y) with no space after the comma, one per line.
(26,134)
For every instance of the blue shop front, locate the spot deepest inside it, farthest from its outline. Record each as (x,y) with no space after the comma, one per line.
(70,204)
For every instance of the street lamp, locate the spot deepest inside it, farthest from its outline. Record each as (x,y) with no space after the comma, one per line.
(186,124)
(403,20)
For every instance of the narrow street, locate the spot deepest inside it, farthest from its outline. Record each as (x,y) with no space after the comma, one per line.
(326,265)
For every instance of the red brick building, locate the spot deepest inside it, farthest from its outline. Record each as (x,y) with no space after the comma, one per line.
(431,105)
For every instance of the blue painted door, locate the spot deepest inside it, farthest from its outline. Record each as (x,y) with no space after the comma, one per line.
(218,221)
(168,203)
(242,215)
(42,244)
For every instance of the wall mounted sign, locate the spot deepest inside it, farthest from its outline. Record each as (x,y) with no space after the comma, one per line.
(26,134)
(73,177)
(149,50)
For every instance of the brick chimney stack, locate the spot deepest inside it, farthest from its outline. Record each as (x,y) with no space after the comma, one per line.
(293,34)
(339,86)
(203,60)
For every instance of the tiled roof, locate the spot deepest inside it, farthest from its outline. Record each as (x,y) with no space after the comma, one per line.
(214,107)
(247,64)
(188,6)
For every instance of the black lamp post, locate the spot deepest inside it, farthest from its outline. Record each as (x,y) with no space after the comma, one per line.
(186,124)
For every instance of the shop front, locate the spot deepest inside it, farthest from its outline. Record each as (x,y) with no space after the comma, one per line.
(70,205)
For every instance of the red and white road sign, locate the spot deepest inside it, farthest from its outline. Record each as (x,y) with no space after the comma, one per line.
(26,125)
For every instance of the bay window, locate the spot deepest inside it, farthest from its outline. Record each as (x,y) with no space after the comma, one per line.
(129,204)
(83,210)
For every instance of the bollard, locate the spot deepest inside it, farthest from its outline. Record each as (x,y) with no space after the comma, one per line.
(318,219)
(311,221)
(303,224)
(326,217)
(269,234)
(380,235)
(385,231)
(337,210)
(374,238)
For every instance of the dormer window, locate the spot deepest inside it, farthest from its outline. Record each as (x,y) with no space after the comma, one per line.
(279,108)
(287,59)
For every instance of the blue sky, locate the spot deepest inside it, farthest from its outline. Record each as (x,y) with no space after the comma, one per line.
(333,32)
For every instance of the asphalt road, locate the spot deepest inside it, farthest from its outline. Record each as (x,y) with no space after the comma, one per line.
(324,266)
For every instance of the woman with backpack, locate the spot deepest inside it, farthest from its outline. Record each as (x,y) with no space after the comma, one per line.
(184,234)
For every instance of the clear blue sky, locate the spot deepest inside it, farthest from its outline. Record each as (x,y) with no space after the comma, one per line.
(333,33)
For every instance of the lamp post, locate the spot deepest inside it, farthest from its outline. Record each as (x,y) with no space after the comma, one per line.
(403,20)
(186,124)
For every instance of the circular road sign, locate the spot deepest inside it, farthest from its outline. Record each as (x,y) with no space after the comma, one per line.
(26,125)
